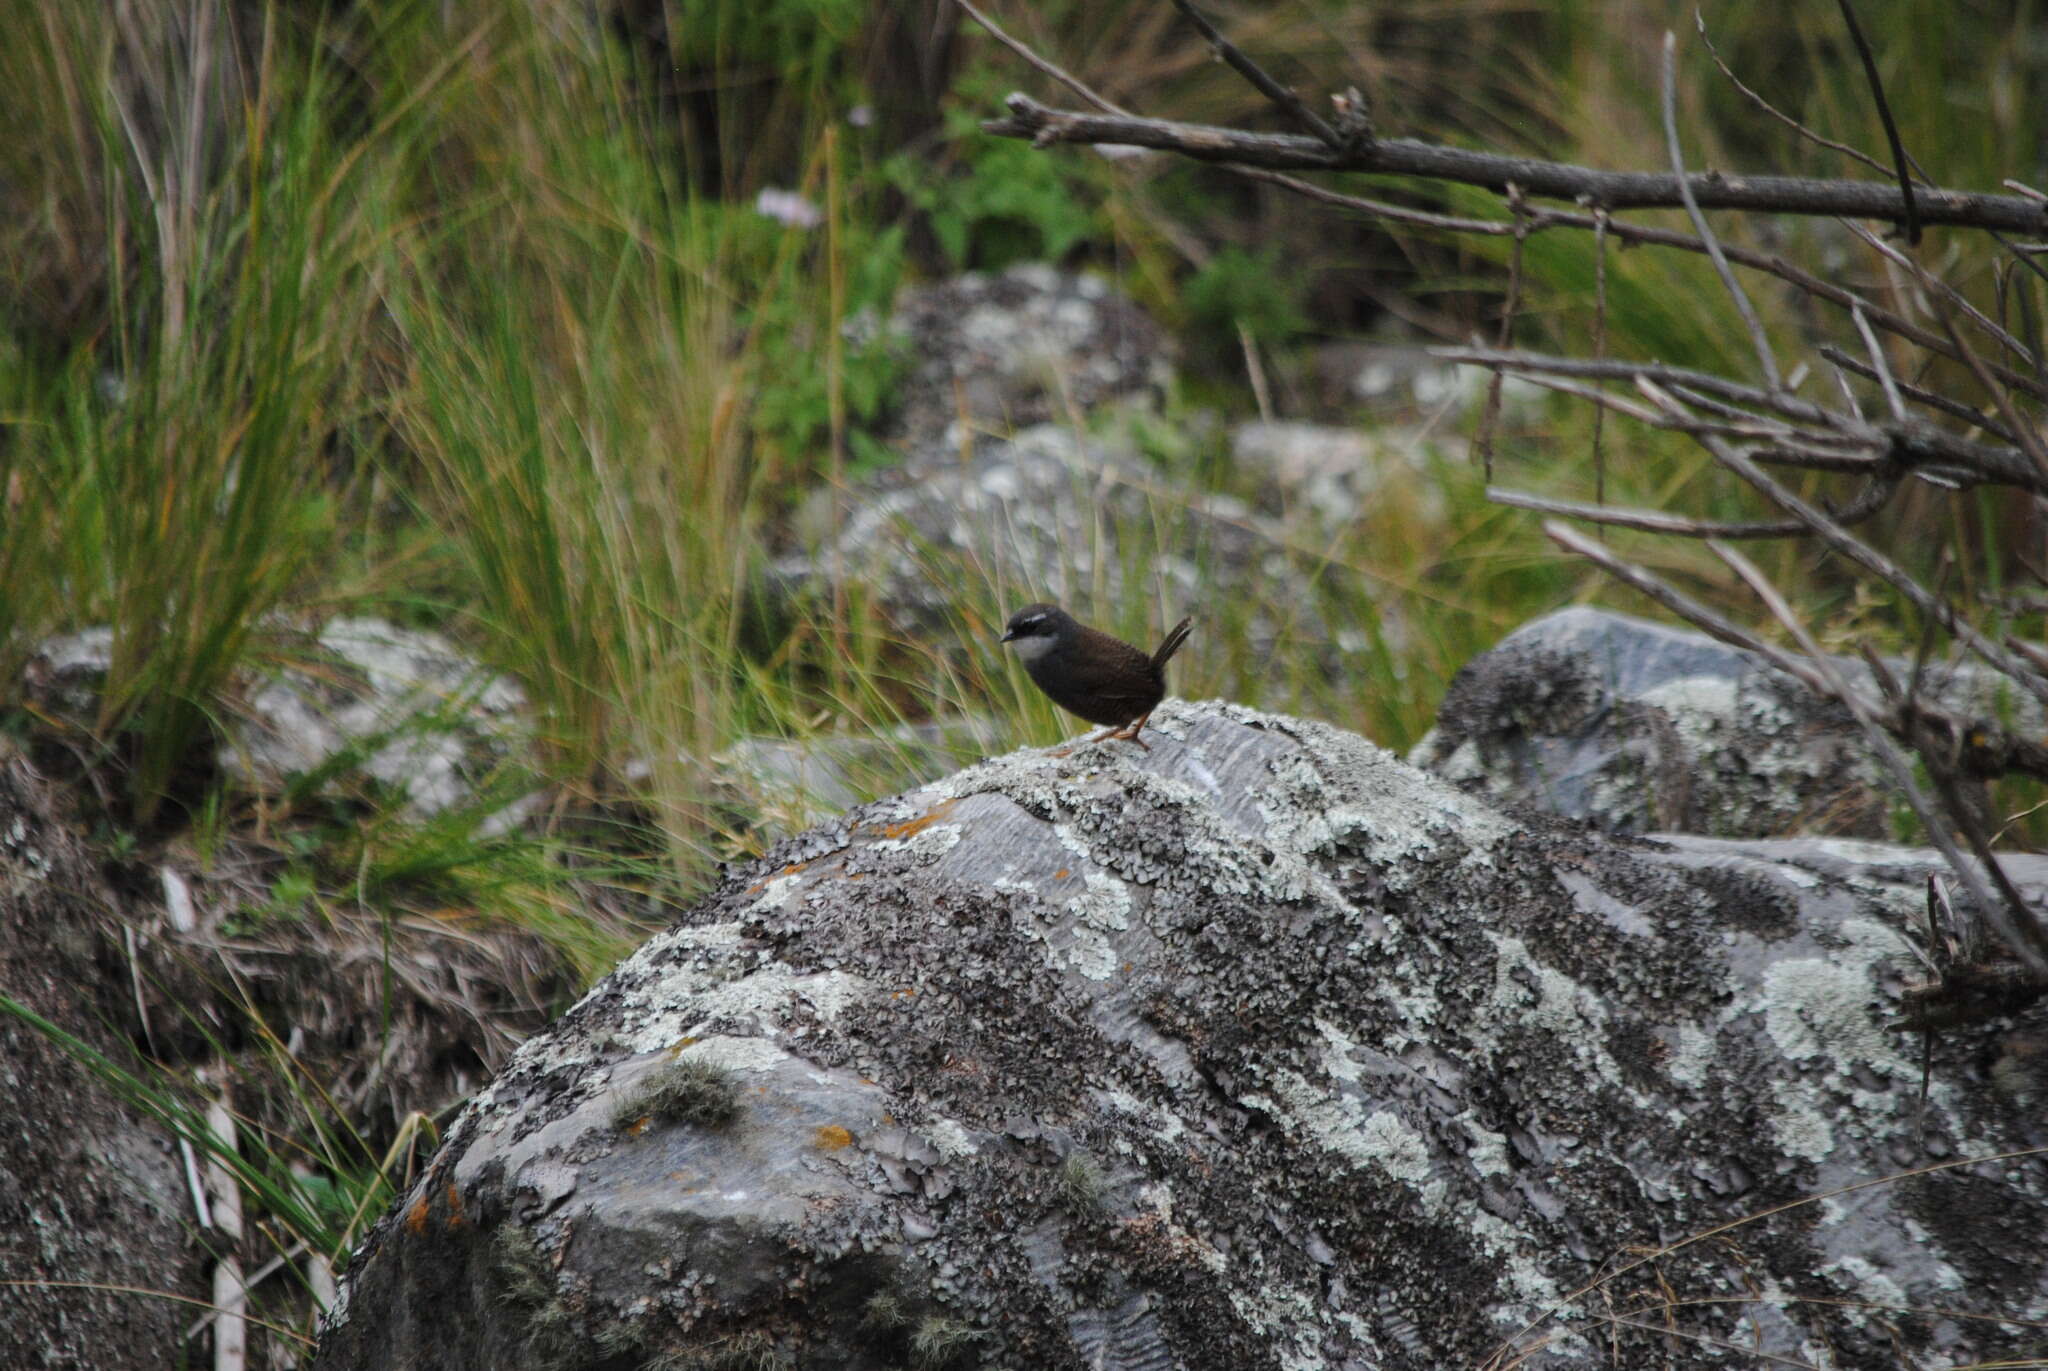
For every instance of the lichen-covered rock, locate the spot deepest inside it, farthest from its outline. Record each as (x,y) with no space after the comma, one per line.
(365,699)
(1636,727)
(1061,517)
(1260,1049)
(797,782)
(92,1200)
(400,706)
(1029,346)
(1332,473)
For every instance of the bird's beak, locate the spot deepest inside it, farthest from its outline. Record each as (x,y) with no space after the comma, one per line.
(1008,634)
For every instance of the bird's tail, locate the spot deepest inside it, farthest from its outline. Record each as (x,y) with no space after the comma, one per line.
(1175,636)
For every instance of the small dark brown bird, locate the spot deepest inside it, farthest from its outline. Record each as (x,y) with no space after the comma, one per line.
(1086,672)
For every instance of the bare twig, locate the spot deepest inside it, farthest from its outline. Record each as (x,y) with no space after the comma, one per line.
(1914,445)
(1884,112)
(1282,96)
(1765,358)
(1935,285)
(1678,602)
(1799,195)
(1700,22)
(1920,394)
(1877,363)
(1600,222)
(1056,72)
(1879,565)
(1874,497)
(2014,921)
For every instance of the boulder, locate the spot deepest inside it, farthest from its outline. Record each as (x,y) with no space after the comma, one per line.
(803,781)
(361,699)
(1053,516)
(1636,727)
(1256,1049)
(1333,474)
(93,1203)
(1029,346)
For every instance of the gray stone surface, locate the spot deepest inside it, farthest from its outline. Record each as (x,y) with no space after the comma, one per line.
(1258,1050)
(1332,472)
(92,1198)
(795,783)
(413,712)
(1057,516)
(1635,727)
(1031,345)
(400,707)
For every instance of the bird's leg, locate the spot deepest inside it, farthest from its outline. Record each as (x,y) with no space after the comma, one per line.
(1129,732)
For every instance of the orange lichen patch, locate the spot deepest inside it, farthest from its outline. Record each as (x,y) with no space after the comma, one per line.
(757,887)
(675,1049)
(638,1126)
(792,868)
(831,1137)
(454,1207)
(1061,874)
(905,992)
(416,1218)
(911,827)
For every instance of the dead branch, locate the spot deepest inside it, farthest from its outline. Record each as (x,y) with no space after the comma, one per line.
(1610,190)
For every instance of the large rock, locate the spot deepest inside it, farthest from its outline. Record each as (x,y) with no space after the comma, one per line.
(362,699)
(93,1203)
(1258,1049)
(1029,346)
(1636,727)
(1052,516)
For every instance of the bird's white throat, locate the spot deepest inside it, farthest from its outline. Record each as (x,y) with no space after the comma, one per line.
(1032,648)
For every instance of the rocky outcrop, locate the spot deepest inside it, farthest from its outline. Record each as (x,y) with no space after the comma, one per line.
(1258,1049)
(360,700)
(1054,516)
(1029,346)
(1636,727)
(92,1198)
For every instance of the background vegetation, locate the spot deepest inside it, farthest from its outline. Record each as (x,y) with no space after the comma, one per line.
(467,316)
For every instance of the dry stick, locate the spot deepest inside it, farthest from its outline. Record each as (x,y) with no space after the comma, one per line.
(1914,445)
(1643,520)
(1056,72)
(1489,417)
(1884,372)
(1740,423)
(1600,218)
(2014,922)
(1875,562)
(1874,497)
(1765,359)
(1700,22)
(1288,102)
(1713,190)
(1937,286)
(1969,414)
(1622,369)
(2030,442)
(230,1292)
(1678,602)
(1043,125)
(1884,112)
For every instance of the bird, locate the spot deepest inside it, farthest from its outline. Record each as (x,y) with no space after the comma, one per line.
(1087,672)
